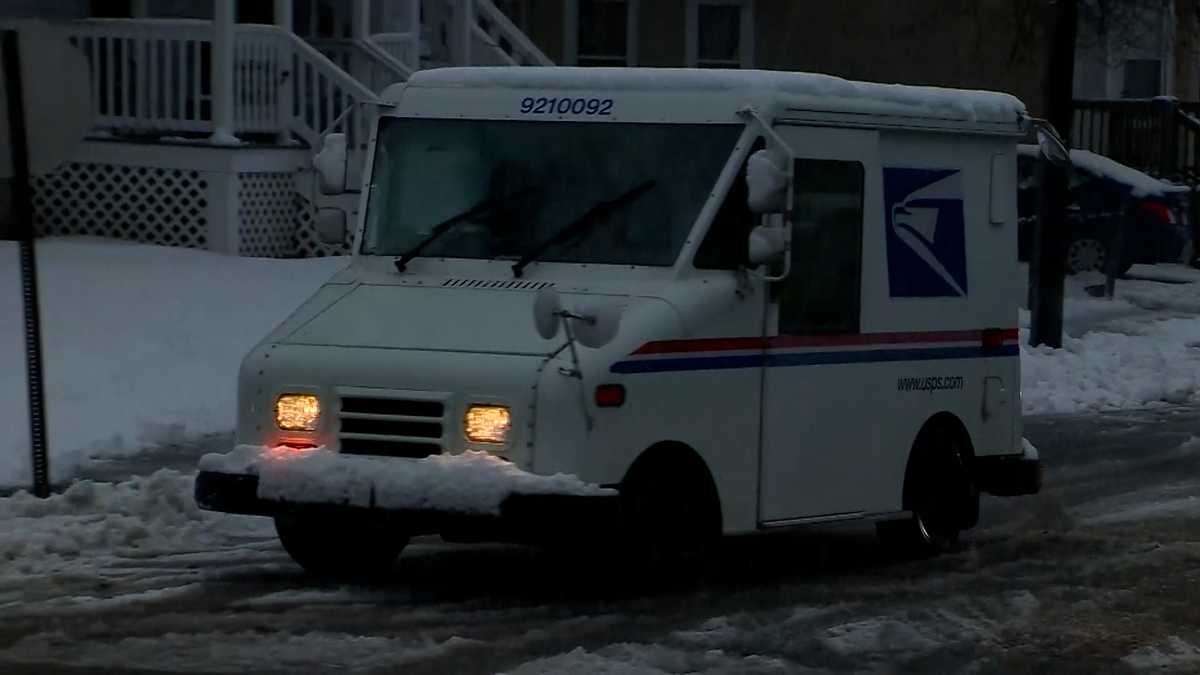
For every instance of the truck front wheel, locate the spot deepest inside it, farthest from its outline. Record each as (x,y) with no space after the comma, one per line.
(340,548)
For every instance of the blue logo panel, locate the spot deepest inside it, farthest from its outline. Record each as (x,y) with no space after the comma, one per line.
(926,233)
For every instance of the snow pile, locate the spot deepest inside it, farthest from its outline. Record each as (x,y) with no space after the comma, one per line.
(142,343)
(1140,349)
(826,92)
(651,659)
(1140,184)
(145,515)
(239,652)
(1107,371)
(831,638)
(1173,655)
(473,482)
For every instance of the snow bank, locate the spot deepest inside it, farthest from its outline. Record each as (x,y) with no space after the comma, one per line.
(142,343)
(1140,349)
(473,482)
(1174,655)
(146,515)
(262,650)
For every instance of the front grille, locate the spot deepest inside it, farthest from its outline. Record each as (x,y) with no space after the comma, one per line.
(390,427)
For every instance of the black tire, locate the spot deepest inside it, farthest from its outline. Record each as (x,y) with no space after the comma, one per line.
(340,548)
(671,512)
(939,492)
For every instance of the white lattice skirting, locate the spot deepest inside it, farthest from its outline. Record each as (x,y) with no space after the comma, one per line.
(141,203)
(234,200)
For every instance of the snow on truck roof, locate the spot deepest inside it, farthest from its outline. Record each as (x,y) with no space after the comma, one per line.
(826,92)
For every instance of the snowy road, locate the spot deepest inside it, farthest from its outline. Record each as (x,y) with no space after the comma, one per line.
(1097,574)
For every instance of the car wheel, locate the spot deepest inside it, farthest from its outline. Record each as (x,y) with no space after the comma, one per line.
(1086,254)
(340,548)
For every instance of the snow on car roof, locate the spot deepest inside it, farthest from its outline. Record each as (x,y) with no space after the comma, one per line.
(838,94)
(1140,184)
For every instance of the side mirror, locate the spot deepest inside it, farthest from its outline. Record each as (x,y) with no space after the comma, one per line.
(1051,144)
(330,164)
(767,181)
(768,244)
(331,226)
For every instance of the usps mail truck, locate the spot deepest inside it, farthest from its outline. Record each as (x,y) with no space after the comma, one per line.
(656,305)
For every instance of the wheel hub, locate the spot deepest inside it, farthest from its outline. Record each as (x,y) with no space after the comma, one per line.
(1086,255)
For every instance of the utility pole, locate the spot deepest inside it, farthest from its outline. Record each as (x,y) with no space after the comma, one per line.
(1047,264)
(23,224)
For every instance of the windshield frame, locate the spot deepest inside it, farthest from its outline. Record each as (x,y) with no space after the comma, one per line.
(713,194)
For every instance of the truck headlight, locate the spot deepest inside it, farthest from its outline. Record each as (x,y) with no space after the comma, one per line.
(297,412)
(487,424)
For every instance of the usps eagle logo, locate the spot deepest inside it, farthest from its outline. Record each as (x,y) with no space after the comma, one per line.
(926,233)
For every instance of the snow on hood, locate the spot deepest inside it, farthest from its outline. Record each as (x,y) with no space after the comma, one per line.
(398,317)
(473,482)
(1140,184)
(845,95)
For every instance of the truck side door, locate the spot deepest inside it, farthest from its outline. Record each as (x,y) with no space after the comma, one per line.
(816,439)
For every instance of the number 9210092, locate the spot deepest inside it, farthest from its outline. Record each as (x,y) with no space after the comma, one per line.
(566,106)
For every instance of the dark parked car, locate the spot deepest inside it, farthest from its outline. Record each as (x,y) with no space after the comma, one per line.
(1104,195)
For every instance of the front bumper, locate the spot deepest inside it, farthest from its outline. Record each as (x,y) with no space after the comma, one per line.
(523,518)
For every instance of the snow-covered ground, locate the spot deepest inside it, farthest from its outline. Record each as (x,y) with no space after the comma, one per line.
(142,343)
(1088,577)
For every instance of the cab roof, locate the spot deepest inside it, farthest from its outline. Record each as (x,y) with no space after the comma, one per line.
(793,91)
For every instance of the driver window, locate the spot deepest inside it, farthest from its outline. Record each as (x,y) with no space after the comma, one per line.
(725,245)
(821,295)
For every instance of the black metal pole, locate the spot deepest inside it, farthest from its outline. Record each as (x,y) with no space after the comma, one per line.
(1048,258)
(23,224)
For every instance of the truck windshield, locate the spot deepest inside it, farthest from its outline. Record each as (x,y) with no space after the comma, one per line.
(536,178)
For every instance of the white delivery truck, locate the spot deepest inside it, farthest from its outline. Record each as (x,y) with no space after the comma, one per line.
(668,304)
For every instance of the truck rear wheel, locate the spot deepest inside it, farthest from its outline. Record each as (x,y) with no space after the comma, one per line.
(340,548)
(940,494)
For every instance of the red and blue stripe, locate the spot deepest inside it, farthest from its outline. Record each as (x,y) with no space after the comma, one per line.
(814,350)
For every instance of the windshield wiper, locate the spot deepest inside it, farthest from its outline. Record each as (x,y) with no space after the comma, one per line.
(444,226)
(582,223)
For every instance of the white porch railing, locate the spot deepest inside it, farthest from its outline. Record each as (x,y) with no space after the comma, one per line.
(326,98)
(366,61)
(404,47)
(155,77)
(148,75)
(504,39)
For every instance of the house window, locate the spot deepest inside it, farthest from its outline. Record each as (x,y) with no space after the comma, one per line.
(720,33)
(601,33)
(1143,78)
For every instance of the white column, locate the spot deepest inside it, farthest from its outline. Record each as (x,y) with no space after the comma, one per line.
(283,14)
(464,14)
(284,21)
(224,13)
(570,55)
(412,24)
(360,19)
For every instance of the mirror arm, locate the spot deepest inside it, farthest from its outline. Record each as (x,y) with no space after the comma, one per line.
(787,270)
(751,114)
